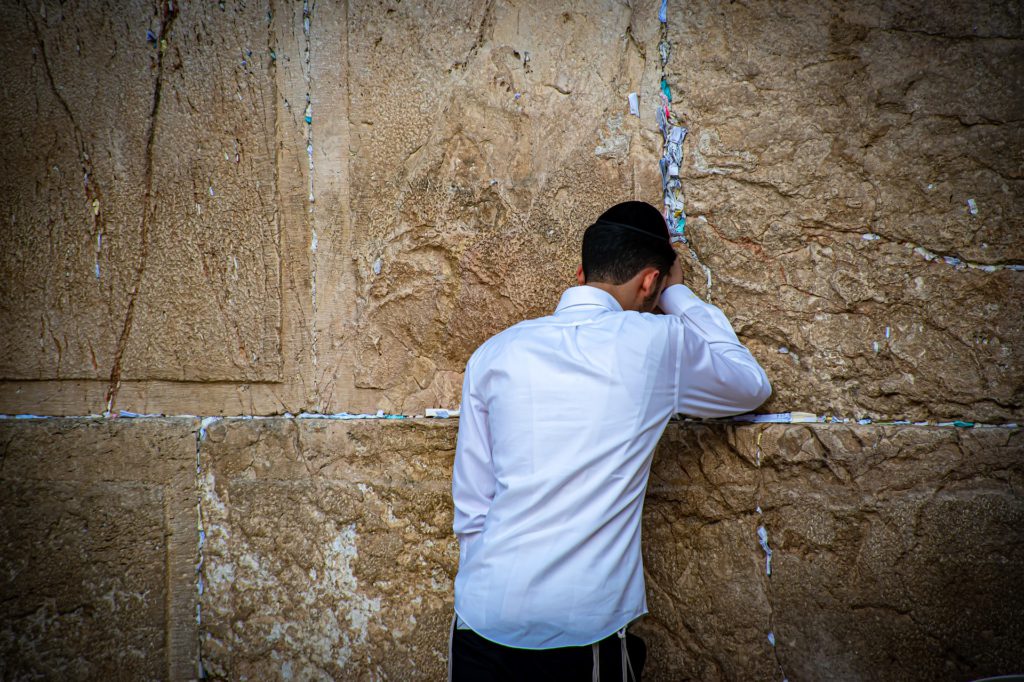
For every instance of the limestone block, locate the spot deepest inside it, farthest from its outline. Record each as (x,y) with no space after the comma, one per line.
(74,120)
(485,138)
(328,549)
(98,549)
(893,553)
(209,301)
(812,126)
(140,232)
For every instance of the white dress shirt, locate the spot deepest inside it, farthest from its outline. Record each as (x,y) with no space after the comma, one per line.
(560,416)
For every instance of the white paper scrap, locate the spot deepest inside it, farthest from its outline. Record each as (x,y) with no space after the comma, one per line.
(440,413)
(762,534)
(634,104)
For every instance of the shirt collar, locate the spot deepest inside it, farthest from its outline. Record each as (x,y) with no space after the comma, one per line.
(587,296)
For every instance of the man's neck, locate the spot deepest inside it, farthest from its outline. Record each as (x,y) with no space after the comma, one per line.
(617,291)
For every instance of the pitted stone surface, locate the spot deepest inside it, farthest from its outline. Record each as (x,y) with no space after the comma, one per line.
(480,155)
(140,232)
(813,126)
(893,550)
(253,263)
(98,549)
(328,551)
(438,193)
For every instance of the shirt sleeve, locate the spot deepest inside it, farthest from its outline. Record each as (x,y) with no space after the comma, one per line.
(716,376)
(473,481)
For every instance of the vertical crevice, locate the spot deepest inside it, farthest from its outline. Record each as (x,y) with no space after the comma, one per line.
(200,543)
(167,14)
(674,134)
(761,534)
(307,117)
(92,193)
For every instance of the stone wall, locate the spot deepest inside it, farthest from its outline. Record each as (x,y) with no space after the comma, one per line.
(326,550)
(270,208)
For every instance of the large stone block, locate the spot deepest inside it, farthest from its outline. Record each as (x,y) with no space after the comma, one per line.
(98,549)
(812,126)
(328,550)
(485,138)
(894,553)
(141,237)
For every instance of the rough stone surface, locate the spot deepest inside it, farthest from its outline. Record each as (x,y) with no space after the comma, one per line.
(98,549)
(328,551)
(480,156)
(272,207)
(894,553)
(453,155)
(814,125)
(143,220)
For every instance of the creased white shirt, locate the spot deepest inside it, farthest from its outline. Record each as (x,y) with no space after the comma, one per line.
(560,416)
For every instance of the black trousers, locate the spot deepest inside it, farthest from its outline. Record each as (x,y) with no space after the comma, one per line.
(475,659)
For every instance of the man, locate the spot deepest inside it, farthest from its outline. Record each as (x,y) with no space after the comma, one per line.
(559,420)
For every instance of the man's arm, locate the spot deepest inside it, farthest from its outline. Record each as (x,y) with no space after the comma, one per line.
(716,375)
(473,480)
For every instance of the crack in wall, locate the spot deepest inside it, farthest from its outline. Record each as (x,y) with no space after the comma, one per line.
(92,194)
(200,435)
(167,16)
(674,134)
(762,536)
(798,418)
(307,115)
(956,262)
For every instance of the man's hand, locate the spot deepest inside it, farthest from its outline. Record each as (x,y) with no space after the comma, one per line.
(675,275)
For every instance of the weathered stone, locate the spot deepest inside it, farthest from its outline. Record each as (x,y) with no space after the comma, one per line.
(144,219)
(480,156)
(328,551)
(894,553)
(98,549)
(341,264)
(812,126)
(251,262)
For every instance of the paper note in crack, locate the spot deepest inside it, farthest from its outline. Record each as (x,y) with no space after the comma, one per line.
(634,104)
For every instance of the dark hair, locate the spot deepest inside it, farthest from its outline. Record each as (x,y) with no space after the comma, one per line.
(627,238)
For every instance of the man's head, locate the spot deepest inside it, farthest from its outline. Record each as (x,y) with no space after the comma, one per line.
(628,253)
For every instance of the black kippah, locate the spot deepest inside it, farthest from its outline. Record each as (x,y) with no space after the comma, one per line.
(635,229)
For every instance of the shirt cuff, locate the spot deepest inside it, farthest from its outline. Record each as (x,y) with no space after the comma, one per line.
(677,299)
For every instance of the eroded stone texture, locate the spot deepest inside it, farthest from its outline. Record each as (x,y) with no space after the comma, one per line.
(328,551)
(74,115)
(485,137)
(97,549)
(140,229)
(810,126)
(894,553)
(813,125)
(209,301)
(456,151)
